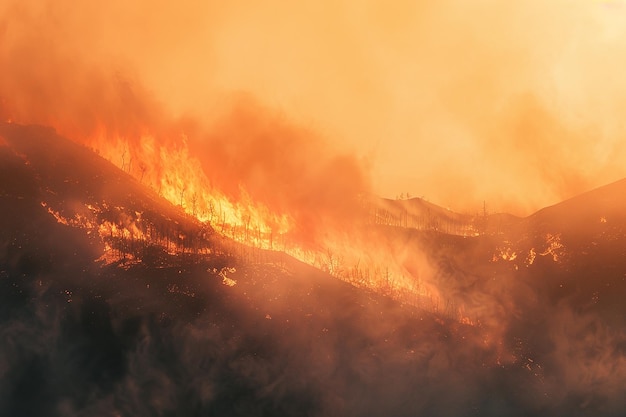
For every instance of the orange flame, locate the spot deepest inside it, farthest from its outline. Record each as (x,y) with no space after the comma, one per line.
(178,176)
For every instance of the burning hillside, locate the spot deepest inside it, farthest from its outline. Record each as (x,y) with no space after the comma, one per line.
(192,219)
(148,296)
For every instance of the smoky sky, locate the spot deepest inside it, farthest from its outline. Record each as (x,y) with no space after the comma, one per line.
(460,102)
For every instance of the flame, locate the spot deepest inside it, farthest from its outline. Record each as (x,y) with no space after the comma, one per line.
(172,171)
(123,235)
(554,247)
(350,253)
(504,253)
(530,259)
(179,178)
(225,279)
(77,220)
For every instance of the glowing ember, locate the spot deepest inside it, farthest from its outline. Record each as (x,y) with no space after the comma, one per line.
(554,247)
(530,259)
(225,279)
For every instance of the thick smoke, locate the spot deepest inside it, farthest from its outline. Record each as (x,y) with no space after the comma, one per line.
(252,152)
(96,88)
(517,105)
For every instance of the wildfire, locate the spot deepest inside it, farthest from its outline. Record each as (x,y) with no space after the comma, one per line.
(175,174)
(345,243)
(178,177)
(504,253)
(223,274)
(554,247)
(360,251)
(77,220)
(530,259)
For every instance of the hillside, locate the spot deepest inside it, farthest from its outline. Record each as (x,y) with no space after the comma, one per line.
(114,302)
(587,215)
(164,334)
(587,236)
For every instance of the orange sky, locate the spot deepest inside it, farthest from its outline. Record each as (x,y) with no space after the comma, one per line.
(516,103)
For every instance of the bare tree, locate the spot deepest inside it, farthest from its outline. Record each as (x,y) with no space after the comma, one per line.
(194,200)
(182,194)
(124,159)
(142,169)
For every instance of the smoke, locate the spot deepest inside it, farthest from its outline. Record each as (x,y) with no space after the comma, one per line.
(461,102)
(90,72)
(107,354)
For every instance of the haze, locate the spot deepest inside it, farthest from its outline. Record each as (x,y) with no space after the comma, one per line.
(518,105)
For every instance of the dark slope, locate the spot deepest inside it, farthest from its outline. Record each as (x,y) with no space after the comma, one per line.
(554,283)
(75,183)
(573,252)
(591,233)
(587,213)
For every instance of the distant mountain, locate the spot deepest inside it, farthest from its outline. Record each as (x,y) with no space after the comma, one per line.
(589,214)
(417,213)
(586,235)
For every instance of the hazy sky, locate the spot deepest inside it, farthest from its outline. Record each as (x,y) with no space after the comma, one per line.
(516,103)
